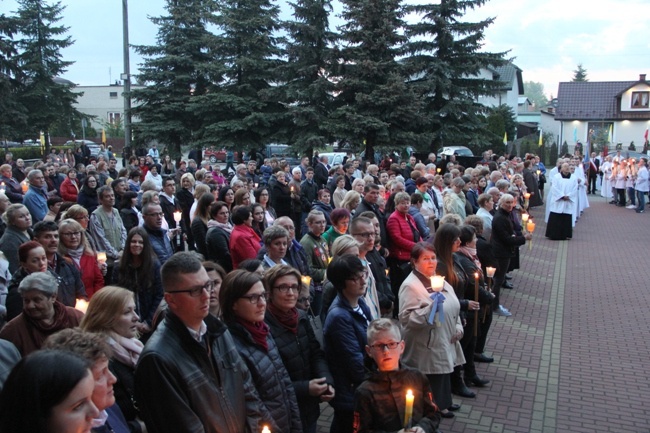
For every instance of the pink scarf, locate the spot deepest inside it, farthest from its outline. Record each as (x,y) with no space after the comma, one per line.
(125,350)
(471,253)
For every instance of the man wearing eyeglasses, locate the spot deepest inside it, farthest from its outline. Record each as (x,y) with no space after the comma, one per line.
(190,376)
(152,215)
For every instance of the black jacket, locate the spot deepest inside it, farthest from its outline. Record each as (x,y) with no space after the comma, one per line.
(181,387)
(304,359)
(217,242)
(504,239)
(281,199)
(308,194)
(321,174)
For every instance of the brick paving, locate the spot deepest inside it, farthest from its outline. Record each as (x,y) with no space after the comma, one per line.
(573,356)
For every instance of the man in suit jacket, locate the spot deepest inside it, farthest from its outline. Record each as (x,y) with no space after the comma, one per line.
(321,172)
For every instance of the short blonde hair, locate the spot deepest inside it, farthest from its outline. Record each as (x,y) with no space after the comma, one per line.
(379,325)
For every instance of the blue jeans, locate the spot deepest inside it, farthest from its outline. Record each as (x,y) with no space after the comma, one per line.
(640,197)
(630,194)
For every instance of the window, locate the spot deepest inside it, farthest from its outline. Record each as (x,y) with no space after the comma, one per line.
(113,95)
(114,118)
(640,100)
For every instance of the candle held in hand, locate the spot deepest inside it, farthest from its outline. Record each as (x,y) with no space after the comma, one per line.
(437,282)
(81,305)
(408,411)
(266,429)
(490,271)
(178,215)
(101,257)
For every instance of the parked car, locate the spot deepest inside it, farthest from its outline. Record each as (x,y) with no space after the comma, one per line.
(217,155)
(454,150)
(334,158)
(94,147)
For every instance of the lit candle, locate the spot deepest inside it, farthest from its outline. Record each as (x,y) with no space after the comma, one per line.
(408,410)
(475,299)
(291,188)
(101,257)
(178,215)
(524,217)
(490,271)
(437,282)
(266,429)
(256,185)
(531,228)
(438,170)
(306,280)
(24,185)
(2,186)
(81,305)
(526,195)
(539,172)
(386,272)
(329,260)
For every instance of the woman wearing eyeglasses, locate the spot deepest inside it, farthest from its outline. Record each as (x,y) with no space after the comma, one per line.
(345,336)
(243,306)
(300,350)
(74,246)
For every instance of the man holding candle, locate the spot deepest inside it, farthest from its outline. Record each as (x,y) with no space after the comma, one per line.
(377,405)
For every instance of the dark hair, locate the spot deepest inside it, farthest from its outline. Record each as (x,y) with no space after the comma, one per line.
(181,263)
(209,266)
(236,284)
(36,384)
(87,189)
(341,268)
(135,173)
(24,249)
(322,192)
(250,265)
(53,200)
(416,198)
(467,233)
(240,214)
(116,182)
(141,278)
(258,192)
(338,214)
(419,249)
(125,203)
(45,226)
(443,243)
(203,207)
(222,193)
(216,207)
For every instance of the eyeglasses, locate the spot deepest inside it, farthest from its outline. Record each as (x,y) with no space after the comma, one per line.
(85,217)
(285,289)
(381,347)
(71,234)
(255,299)
(305,299)
(195,292)
(155,214)
(359,278)
(365,235)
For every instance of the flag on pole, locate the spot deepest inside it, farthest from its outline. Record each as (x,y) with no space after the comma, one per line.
(587,151)
(575,134)
(540,142)
(103,136)
(42,139)
(505,138)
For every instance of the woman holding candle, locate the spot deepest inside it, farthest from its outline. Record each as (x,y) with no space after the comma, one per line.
(467,258)
(243,303)
(431,335)
(298,346)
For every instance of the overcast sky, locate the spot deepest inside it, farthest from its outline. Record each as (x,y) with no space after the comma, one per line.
(547,39)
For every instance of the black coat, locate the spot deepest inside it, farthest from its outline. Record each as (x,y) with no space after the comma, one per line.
(321,174)
(281,199)
(218,247)
(304,359)
(504,240)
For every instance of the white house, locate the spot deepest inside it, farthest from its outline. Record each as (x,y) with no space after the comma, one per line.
(104,102)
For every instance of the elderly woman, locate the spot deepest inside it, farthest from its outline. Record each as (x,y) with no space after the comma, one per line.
(42,314)
(317,252)
(244,242)
(218,237)
(70,186)
(486,206)
(322,203)
(345,336)
(340,218)
(243,303)
(80,215)
(112,313)
(18,231)
(414,210)
(402,232)
(74,246)
(139,272)
(453,199)
(298,346)
(32,259)
(49,391)
(185,197)
(276,239)
(431,336)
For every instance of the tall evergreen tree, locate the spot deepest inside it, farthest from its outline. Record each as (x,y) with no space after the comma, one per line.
(174,74)
(242,107)
(46,99)
(308,89)
(445,57)
(375,106)
(580,74)
(13,116)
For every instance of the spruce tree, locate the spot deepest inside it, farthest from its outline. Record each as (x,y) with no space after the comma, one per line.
(174,74)
(306,75)
(445,57)
(242,107)
(40,43)
(580,74)
(375,108)
(13,116)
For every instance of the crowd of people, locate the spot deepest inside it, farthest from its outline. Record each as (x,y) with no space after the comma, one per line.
(180,297)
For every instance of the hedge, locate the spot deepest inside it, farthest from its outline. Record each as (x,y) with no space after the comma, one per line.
(29,152)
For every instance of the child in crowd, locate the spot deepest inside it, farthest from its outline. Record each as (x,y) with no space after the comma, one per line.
(376,406)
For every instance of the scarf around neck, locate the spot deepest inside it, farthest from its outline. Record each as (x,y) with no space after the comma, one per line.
(471,253)
(75,255)
(225,226)
(258,331)
(125,350)
(288,320)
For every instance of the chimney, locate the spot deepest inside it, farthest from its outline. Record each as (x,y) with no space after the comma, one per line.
(641,77)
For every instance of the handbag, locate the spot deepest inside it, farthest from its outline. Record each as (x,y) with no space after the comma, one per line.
(316,326)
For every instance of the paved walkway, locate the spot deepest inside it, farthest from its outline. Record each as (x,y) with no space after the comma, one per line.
(574,356)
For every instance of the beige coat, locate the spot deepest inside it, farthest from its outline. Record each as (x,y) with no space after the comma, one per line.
(429,347)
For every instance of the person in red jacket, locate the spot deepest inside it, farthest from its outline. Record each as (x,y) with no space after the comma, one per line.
(403,234)
(75,248)
(70,186)
(244,242)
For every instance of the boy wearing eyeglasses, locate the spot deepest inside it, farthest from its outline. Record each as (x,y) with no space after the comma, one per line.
(380,401)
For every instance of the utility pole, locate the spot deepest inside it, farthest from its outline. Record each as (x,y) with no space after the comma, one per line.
(126,76)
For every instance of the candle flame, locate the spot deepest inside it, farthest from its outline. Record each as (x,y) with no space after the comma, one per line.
(81,305)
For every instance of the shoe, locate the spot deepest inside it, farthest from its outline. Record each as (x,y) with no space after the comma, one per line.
(479,357)
(447,414)
(631,206)
(454,407)
(507,285)
(463,391)
(502,312)
(476,381)
(640,211)
(508,277)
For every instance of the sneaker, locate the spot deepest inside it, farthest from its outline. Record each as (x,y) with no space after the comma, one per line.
(502,311)
(631,206)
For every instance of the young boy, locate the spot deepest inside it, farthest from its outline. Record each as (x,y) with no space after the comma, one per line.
(380,401)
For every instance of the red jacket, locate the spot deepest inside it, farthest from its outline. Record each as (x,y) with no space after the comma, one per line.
(91,275)
(400,235)
(69,189)
(244,244)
